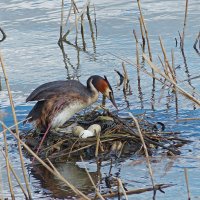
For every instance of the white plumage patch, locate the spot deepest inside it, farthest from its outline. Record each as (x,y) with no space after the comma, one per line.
(66,114)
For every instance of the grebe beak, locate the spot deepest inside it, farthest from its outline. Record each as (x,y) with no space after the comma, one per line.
(112,99)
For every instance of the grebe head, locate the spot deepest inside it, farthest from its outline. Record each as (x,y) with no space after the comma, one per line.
(103,86)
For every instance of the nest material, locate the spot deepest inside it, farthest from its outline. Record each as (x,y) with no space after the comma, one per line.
(118,138)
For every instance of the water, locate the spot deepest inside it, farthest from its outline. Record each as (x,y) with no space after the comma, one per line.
(32,57)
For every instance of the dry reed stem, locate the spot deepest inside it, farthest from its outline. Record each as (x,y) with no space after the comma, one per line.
(82,32)
(91,180)
(125,77)
(0,84)
(95,21)
(7,164)
(168,67)
(75,190)
(91,27)
(68,16)
(1,183)
(97,144)
(122,188)
(142,33)
(62,20)
(16,125)
(145,29)
(145,150)
(174,72)
(72,26)
(139,191)
(187,183)
(138,68)
(181,91)
(17,178)
(184,26)
(76,23)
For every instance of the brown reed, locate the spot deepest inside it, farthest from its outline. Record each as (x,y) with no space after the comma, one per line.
(7,164)
(146,152)
(16,126)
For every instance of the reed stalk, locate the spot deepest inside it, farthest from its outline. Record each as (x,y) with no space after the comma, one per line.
(145,151)
(91,180)
(7,164)
(142,33)
(82,32)
(145,30)
(95,21)
(78,17)
(122,188)
(168,67)
(91,27)
(187,183)
(174,72)
(97,145)
(179,89)
(16,125)
(55,173)
(138,68)
(1,182)
(0,84)
(139,191)
(76,23)
(184,26)
(126,80)
(17,178)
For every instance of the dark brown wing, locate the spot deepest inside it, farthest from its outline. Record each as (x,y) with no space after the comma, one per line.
(47,90)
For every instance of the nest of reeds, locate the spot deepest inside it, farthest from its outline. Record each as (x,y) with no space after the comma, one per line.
(119,137)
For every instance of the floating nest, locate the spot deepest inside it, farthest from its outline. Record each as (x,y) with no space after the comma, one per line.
(118,137)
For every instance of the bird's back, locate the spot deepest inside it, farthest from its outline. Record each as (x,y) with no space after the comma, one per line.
(47,90)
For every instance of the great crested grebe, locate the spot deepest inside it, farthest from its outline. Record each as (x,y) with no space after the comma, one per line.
(58,101)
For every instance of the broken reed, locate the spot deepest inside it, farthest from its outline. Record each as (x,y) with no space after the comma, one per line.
(79,16)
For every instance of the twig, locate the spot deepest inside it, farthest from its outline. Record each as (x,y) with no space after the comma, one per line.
(7,164)
(17,130)
(187,183)
(146,152)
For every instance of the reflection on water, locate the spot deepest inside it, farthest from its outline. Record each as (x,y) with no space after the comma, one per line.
(71,172)
(32,57)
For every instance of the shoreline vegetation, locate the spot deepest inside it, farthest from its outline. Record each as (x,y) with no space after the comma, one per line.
(120,137)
